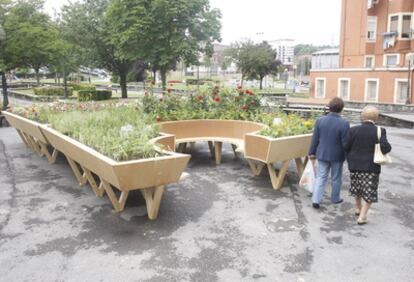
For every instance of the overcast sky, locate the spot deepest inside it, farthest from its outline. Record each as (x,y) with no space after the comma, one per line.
(316,22)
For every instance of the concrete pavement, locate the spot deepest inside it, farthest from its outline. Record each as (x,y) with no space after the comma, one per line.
(220,224)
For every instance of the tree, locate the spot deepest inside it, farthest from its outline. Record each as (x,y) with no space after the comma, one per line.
(164,32)
(30,35)
(90,28)
(5,63)
(255,61)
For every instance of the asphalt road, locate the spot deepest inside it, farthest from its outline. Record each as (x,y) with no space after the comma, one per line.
(220,224)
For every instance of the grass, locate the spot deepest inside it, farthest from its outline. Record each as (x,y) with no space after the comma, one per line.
(119,133)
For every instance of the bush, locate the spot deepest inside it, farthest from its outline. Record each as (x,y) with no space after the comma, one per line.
(52,91)
(193,81)
(77,86)
(94,95)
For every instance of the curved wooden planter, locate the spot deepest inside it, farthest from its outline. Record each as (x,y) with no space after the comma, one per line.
(269,151)
(31,135)
(148,175)
(215,132)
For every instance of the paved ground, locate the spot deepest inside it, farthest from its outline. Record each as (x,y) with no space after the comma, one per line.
(220,224)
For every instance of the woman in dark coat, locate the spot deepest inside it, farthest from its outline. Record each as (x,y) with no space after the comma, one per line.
(360,147)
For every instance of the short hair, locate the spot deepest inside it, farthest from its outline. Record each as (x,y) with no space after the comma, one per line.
(336,105)
(369,113)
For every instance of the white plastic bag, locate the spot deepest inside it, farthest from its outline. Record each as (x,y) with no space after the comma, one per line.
(308,177)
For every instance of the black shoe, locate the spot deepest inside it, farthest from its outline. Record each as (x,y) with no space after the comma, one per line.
(340,201)
(316,206)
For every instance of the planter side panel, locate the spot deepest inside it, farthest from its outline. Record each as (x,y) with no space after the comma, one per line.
(81,154)
(151,172)
(289,148)
(27,126)
(167,141)
(210,128)
(256,147)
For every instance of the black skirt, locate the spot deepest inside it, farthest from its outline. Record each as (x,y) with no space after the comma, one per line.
(364,185)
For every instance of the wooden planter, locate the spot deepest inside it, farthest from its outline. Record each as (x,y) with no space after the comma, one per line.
(268,151)
(31,135)
(215,132)
(149,175)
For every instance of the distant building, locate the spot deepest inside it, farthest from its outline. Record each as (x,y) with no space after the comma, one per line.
(372,64)
(285,49)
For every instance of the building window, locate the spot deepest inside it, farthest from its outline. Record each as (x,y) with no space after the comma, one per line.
(401,91)
(406,26)
(320,87)
(344,88)
(371,90)
(393,24)
(391,60)
(372,29)
(369,61)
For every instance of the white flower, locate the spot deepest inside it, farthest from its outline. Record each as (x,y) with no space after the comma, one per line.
(277,121)
(126,130)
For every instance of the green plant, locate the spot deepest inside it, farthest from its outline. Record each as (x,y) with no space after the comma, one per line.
(52,91)
(94,95)
(288,125)
(120,133)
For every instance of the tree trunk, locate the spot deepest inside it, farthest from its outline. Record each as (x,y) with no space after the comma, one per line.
(4,88)
(242,80)
(261,82)
(65,84)
(163,72)
(37,76)
(123,83)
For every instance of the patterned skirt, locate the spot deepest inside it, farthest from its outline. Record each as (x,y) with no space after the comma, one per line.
(365,186)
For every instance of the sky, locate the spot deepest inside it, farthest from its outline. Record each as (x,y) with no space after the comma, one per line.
(306,21)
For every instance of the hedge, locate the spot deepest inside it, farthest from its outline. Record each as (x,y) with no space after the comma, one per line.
(193,81)
(94,95)
(77,86)
(52,91)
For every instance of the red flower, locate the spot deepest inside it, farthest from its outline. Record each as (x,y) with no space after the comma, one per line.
(244,107)
(200,98)
(217,99)
(239,87)
(252,103)
(250,92)
(158,119)
(215,93)
(216,87)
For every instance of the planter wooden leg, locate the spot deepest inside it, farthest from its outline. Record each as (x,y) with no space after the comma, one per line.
(217,151)
(118,205)
(300,165)
(278,178)
(182,147)
(236,154)
(51,158)
(153,200)
(23,138)
(81,177)
(211,147)
(256,168)
(98,190)
(34,145)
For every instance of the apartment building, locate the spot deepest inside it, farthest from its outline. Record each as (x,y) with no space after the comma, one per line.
(285,49)
(376,54)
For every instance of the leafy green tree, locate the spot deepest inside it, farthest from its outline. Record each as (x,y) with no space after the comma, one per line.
(29,35)
(5,62)
(164,32)
(255,61)
(91,29)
